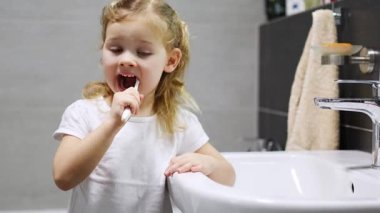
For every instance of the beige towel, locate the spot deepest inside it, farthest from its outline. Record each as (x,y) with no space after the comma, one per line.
(309,127)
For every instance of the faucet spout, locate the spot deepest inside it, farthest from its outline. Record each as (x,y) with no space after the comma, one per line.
(370,107)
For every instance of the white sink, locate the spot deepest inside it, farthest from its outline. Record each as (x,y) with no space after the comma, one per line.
(323,181)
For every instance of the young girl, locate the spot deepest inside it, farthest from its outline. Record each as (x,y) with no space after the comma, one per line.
(120,166)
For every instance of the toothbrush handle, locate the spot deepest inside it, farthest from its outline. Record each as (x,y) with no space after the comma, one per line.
(127,112)
(126,115)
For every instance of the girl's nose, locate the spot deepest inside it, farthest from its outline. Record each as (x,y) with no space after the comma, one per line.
(127,60)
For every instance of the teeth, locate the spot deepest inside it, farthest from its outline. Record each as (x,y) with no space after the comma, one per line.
(128,75)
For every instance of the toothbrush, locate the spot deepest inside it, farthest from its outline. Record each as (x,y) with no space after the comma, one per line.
(127,112)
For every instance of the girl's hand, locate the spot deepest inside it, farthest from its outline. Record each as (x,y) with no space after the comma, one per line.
(206,160)
(191,162)
(129,98)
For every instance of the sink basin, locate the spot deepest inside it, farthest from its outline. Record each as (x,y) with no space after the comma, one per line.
(323,181)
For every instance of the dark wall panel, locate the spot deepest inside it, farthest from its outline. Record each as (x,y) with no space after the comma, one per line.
(272,127)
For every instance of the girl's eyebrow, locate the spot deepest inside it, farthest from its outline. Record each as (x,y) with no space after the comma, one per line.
(112,39)
(144,41)
(115,39)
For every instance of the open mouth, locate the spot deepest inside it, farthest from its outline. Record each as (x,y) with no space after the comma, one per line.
(126,81)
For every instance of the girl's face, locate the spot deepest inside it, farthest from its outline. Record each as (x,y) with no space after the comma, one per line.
(133,50)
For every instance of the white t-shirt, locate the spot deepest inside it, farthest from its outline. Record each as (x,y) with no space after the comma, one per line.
(130,177)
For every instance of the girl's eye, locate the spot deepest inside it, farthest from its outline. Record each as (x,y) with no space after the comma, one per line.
(143,54)
(116,50)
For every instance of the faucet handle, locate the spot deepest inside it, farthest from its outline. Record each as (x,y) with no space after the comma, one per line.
(375,85)
(373,82)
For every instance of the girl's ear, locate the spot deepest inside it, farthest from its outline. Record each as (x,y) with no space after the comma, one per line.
(174,58)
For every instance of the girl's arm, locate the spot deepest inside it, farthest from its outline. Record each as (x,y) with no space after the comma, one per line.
(206,160)
(75,159)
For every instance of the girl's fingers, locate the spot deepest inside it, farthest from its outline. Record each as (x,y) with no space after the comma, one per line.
(184,163)
(132,99)
(134,106)
(169,171)
(172,168)
(182,159)
(197,168)
(184,168)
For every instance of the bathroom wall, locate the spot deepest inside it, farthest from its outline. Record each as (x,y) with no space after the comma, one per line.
(49,50)
(281,45)
(223,72)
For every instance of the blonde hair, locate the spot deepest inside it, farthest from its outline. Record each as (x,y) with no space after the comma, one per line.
(170,92)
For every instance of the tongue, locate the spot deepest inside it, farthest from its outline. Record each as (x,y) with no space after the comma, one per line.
(127,82)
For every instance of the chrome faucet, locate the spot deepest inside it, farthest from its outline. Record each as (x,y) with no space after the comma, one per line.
(368,106)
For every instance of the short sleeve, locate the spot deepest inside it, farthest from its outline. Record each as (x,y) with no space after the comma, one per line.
(73,122)
(194,136)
